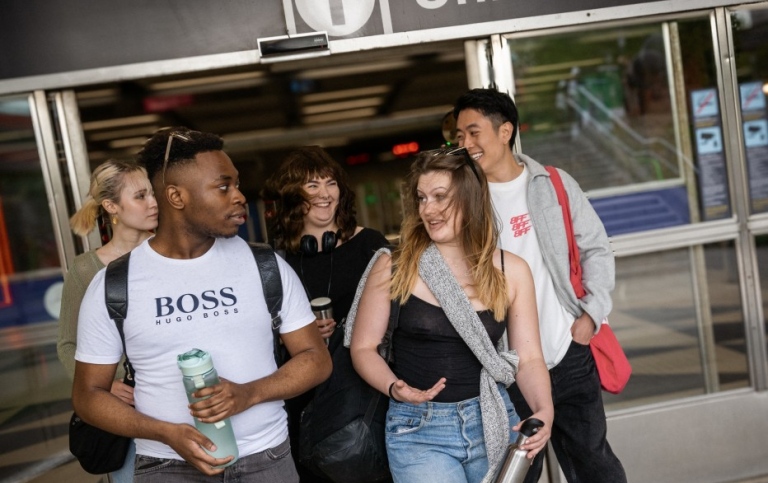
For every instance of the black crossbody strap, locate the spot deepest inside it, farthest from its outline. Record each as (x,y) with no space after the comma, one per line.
(116,298)
(272,285)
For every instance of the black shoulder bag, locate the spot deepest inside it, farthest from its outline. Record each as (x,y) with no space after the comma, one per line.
(342,429)
(99,451)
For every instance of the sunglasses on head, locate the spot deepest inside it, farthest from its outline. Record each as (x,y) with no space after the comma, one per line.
(463,152)
(171,136)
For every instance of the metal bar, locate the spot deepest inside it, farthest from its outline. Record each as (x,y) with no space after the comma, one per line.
(57,203)
(76,155)
(749,278)
(651,241)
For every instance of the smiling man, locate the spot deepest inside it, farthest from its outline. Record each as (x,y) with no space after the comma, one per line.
(531,227)
(196,285)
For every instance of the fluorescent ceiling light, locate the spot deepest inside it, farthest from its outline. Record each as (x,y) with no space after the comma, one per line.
(341,115)
(346,94)
(341,71)
(201,81)
(121,121)
(127,142)
(123,133)
(341,106)
(425,111)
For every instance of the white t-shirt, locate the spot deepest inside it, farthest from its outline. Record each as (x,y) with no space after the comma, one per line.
(215,303)
(519,237)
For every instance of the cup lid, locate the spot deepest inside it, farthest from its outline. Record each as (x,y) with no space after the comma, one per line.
(320,303)
(194,362)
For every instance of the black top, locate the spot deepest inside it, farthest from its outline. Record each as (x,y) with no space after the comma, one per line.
(343,267)
(427,347)
(344,385)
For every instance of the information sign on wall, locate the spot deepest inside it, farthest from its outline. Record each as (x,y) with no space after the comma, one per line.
(710,156)
(755,142)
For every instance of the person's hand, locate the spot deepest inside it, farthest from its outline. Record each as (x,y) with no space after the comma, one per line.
(123,391)
(188,442)
(221,401)
(405,393)
(583,329)
(538,441)
(326,326)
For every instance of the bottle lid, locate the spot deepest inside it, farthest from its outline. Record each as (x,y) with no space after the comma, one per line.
(195,362)
(320,303)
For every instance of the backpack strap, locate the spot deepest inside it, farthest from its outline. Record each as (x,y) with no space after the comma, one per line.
(116,298)
(272,284)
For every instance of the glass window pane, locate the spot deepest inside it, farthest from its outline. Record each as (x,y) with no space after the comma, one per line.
(679,317)
(761,242)
(29,259)
(750,29)
(602,106)
(36,391)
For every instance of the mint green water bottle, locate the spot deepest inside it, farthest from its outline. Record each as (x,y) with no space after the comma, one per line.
(197,368)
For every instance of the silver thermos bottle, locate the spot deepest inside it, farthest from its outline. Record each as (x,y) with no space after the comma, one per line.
(516,464)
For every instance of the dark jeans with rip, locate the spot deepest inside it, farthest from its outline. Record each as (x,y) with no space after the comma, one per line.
(579,429)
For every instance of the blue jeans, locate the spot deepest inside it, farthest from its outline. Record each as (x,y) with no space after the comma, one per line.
(125,474)
(274,465)
(579,429)
(438,442)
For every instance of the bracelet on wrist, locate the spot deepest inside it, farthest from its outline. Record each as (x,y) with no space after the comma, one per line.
(392,386)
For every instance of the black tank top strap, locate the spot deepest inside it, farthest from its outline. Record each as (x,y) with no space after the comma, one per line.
(502,261)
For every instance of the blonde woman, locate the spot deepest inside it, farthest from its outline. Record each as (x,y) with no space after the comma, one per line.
(449,419)
(120,194)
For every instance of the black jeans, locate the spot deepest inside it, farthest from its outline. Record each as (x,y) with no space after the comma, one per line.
(579,429)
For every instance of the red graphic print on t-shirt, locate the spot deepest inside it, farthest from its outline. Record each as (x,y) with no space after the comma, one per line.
(520,224)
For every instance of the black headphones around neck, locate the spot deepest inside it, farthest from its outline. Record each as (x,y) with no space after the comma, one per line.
(308,243)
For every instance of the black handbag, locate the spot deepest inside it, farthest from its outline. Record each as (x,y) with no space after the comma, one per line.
(96,450)
(342,428)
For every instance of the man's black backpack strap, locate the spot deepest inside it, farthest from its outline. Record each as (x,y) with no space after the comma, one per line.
(273,291)
(116,297)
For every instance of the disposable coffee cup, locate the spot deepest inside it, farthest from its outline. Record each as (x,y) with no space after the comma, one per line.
(321,307)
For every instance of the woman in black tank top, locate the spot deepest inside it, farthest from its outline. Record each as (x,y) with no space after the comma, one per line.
(436,425)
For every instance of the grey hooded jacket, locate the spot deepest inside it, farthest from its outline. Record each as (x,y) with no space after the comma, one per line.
(597,259)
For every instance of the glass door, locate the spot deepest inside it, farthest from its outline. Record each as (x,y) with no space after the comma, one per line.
(633,114)
(35,242)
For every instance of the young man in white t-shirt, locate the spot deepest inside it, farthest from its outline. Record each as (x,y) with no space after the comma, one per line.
(532,227)
(196,285)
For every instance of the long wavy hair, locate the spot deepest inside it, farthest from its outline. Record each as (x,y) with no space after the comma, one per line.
(107,181)
(286,188)
(478,231)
